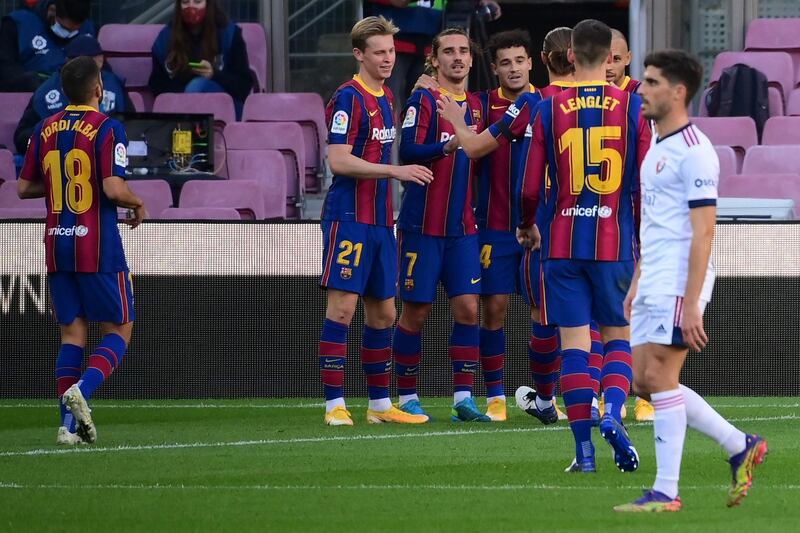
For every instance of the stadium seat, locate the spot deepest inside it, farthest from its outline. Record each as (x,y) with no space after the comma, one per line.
(793,107)
(308,110)
(737,132)
(9,198)
(200,213)
(255,40)
(127,48)
(218,104)
(775,159)
(13,105)
(779,34)
(266,166)
(156,195)
(776,66)
(23,212)
(776,107)
(782,130)
(287,137)
(728,164)
(138,101)
(774,186)
(8,171)
(246,196)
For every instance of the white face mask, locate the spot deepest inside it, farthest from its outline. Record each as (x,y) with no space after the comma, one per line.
(62,32)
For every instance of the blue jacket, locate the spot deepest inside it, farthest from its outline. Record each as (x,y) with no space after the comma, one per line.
(49,97)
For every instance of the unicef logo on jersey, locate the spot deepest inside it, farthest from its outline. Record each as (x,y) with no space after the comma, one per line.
(69,231)
(602,211)
(39,43)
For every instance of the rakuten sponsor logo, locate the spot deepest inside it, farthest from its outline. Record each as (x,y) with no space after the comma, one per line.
(593,212)
(384,135)
(69,231)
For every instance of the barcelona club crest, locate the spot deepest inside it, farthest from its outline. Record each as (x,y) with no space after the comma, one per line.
(476,115)
(409,284)
(346,273)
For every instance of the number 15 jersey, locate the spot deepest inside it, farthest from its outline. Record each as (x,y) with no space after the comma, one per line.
(591,139)
(72,152)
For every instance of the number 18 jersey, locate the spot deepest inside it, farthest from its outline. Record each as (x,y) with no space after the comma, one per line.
(72,152)
(591,139)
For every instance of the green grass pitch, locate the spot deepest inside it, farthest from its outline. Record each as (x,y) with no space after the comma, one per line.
(271,465)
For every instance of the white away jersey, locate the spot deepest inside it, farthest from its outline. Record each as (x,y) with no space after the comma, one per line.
(679,172)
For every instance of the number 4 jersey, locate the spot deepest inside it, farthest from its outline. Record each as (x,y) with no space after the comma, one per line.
(72,152)
(591,139)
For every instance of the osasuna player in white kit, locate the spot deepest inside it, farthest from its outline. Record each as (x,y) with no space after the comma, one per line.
(674,280)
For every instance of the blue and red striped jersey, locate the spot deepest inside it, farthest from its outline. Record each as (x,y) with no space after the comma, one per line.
(444,206)
(591,139)
(629,84)
(73,152)
(362,118)
(497,202)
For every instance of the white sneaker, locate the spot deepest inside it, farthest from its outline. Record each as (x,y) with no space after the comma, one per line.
(77,405)
(66,438)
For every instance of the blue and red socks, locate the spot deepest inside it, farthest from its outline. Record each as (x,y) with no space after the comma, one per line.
(492,351)
(376,360)
(616,376)
(595,358)
(576,388)
(464,355)
(332,357)
(545,360)
(407,352)
(68,372)
(104,359)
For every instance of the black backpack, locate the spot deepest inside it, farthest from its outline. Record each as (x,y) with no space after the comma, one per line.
(740,92)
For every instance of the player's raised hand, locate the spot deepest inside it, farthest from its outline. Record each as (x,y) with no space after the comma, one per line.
(692,327)
(135,216)
(426,82)
(413,173)
(449,110)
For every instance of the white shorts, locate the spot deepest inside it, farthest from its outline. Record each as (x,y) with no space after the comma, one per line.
(657,318)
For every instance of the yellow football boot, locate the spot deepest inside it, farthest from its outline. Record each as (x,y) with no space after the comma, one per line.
(338,416)
(643,411)
(496,410)
(395,416)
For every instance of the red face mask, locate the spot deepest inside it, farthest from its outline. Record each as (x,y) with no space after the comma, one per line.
(193,16)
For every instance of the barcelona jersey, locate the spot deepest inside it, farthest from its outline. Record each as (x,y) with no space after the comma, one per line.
(73,152)
(629,84)
(591,139)
(442,208)
(362,118)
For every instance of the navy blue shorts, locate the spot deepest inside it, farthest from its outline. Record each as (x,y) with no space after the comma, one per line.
(427,260)
(359,258)
(97,297)
(576,291)
(501,255)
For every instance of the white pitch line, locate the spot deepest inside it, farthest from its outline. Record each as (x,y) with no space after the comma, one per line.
(442,488)
(313,440)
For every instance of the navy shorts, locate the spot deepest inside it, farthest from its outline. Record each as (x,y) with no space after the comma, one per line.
(426,260)
(359,258)
(97,297)
(500,255)
(576,291)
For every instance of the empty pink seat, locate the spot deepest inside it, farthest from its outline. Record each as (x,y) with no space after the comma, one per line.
(782,130)
(776,66)
(8,171)
(200,213)
(773,186)
(128,38)
(138,101)
(38,213)
(246,196)
(793,107)
(776,159)
(13,105)
(775,35)
(287,137)
(9,198)
(728,164)
(266,166)
(737,132)
(308,110)
(134,70)
(218,104)
(255,40)
(156,195)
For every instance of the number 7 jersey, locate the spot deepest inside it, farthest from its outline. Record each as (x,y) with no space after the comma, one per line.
(72,152)
(591,140)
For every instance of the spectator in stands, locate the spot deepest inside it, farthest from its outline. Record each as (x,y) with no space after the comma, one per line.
(49,98)
(201,51)
(418,24)
(33,39)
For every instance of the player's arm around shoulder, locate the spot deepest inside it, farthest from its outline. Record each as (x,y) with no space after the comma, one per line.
(419,118)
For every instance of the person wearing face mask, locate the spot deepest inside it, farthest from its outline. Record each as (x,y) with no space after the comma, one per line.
(201,51)
(33,39)
(49,98)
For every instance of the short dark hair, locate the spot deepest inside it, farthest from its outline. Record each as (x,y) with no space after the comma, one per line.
(75,10)
(79,77)
(678,66)
(591,42)
(509,39)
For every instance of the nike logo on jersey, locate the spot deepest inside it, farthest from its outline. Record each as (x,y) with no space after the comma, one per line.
(474,281)
(499,107)
(373,113)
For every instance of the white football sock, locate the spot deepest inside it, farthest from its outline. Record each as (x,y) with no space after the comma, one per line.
(501,397)
(405,398)
(669,427)
(543,404)
(331,404)
(461,395)
(382,404)
(703,418)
